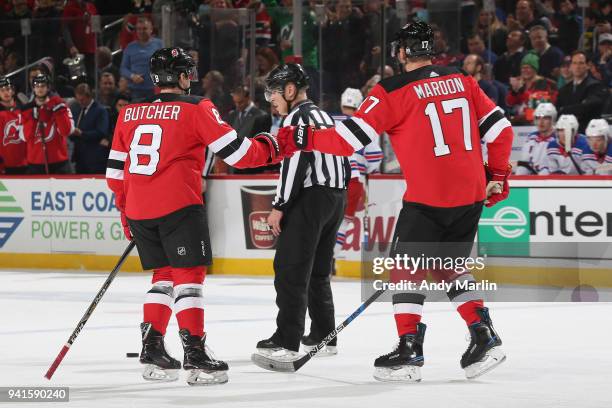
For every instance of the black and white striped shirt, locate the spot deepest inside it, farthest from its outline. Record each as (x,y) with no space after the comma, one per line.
(307,169)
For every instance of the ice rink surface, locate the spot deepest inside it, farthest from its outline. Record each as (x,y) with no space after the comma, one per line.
(559,354)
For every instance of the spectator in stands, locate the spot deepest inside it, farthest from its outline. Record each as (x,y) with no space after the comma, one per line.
(524,17)
(108,92)
(550,57)
(443,54)
(565,75)
(568,27)
(248,120)
(603,58)
(597,159)
(374,31)
(374,79)
(528,90)
(509,64)
(534,157)
(135,62)
(585,96)
(566,151)
(91,127)
(12,39)
(46,38)
(212,84)
(474,65)
(344,30)
(476,45)
(78,31)
(489,24)
(105,63)
(120,102)
(266,61)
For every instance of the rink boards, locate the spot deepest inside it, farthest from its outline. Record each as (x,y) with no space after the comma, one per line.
(72,223)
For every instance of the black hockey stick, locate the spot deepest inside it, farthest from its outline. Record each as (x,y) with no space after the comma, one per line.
(89,312)
(40,131)
(292,366)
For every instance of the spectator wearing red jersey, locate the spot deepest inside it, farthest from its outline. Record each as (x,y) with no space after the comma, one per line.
(443,55)
(78,31)
(528,90)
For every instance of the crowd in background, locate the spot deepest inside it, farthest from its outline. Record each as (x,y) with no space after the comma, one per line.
(525,53)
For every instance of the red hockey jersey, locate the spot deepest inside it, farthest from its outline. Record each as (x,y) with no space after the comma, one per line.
(13,147)
(436,118)
(54,121)
(157,158)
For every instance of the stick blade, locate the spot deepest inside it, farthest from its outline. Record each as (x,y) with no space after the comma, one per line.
(273,365)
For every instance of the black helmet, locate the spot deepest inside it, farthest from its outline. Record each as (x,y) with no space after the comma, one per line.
(41,79)
(284,74)
(415,38)
(5,81)
(167,64)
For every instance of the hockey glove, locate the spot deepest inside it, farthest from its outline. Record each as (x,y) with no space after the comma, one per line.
(498,188)
(272,143)
(126,227)
(293,138)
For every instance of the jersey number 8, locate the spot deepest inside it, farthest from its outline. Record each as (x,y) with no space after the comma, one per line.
(148,150)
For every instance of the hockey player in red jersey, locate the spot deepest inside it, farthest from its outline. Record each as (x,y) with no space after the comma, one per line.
(13,146)
(155,169)
(435,117)
(47,125)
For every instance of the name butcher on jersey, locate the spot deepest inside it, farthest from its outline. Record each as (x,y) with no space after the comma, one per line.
(152,112)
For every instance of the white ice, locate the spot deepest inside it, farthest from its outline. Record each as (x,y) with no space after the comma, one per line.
(559,354)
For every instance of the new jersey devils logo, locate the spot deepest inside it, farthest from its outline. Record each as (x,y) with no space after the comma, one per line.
(13,133)
(43,130)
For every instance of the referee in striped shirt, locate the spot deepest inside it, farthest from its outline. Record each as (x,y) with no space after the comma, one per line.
(308,209)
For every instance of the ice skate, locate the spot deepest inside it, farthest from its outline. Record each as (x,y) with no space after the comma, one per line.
(484,352)
(203,368)
(404,363)
(271,356)
(159,365)
(310,344)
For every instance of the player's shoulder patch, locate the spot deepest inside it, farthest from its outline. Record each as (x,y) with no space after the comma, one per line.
(429,71)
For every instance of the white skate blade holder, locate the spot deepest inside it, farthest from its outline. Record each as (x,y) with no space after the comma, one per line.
(154,373)
(204,377)
(493,358)
(328,351)
(404,374)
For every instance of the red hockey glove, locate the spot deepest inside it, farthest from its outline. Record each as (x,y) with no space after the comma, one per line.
(272,143)
(498,188)
(293,138)
(126,227)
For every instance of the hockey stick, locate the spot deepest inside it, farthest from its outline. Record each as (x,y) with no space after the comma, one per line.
(366,215)
(292,366)
(89,311)
(40,131)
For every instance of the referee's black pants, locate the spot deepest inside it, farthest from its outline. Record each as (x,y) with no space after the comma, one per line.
(303,265)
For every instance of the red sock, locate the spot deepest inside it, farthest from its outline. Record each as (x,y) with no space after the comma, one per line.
(157,308)
(407,317)
(188,302)
(468,309)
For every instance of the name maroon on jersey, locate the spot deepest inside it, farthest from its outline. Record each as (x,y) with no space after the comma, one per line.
(157,158)
(436,118)
(51,121)
(13,146)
